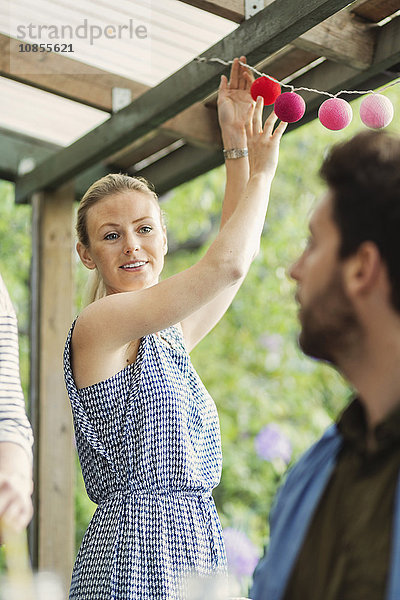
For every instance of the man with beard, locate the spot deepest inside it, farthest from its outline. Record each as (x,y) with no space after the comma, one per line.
(335,526)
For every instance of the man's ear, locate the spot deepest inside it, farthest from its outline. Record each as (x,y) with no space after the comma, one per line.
(362,269)
(84,255)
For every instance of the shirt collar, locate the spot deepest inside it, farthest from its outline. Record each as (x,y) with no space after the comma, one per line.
(352,424)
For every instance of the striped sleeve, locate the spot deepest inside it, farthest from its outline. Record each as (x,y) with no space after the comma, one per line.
(14,423)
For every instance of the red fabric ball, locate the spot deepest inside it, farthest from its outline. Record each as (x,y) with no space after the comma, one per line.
(289,107)
(266,88)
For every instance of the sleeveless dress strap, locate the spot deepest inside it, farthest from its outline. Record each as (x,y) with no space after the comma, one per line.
(174,337)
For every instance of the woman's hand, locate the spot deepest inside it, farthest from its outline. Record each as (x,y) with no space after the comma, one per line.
(263,142)
(234,102)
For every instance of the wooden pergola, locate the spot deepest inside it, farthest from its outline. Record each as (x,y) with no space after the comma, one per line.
(168,134)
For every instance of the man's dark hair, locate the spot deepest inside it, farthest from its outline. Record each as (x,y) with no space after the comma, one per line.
(364,176)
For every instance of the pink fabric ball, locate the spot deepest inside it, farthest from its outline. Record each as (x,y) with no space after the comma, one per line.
(289,107)
(376,111)
(335,113)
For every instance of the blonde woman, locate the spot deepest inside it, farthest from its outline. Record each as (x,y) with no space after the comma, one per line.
(146,429)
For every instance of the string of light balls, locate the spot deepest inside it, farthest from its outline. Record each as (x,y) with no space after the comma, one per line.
(376,110)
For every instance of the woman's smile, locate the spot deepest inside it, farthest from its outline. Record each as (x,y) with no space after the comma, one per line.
(134,265)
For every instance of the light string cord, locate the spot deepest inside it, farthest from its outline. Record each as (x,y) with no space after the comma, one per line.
(288,85)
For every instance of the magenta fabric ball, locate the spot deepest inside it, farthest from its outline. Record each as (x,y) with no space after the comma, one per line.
(289,107)
(335,113)
(376,111)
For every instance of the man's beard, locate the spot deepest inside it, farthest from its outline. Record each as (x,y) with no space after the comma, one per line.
(330,327)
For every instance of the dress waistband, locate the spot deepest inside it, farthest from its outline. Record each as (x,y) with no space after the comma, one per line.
(204,494)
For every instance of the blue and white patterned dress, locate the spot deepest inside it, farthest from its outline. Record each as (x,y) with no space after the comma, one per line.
(149,444)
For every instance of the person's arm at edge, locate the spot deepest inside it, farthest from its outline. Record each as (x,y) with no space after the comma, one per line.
(16,439)
(16,485)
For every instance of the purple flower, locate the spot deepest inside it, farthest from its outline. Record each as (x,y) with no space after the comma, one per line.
(271,341)
(271,443)
(241,553)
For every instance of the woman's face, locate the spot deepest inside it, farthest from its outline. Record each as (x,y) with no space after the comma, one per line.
(127,241)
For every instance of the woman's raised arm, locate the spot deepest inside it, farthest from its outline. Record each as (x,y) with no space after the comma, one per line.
(120,318)
(234,102)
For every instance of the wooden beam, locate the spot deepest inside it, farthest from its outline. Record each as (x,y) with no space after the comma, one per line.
(325,76)
(63,76)
(387,51)
(372,10)
(263,34)
(91,86)
(85,179)
(342,38)
(180,166)
(228,9)
(141,149)
(197,125)
(52,316)
(375,10)
(339,37)
(286,62)
(15,147)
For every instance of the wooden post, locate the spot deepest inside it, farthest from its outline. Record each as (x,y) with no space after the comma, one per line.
(53,531)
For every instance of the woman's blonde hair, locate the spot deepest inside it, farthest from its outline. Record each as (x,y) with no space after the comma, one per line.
(114,183)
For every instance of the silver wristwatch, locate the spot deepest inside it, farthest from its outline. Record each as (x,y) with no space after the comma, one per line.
(235,153)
